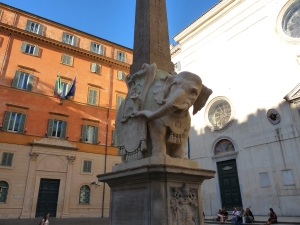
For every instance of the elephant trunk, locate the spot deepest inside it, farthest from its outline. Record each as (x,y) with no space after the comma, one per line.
(174,102)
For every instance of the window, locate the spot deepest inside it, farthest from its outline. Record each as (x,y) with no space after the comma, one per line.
(177,66)
(287,177)
(23,80)
(65,89)
(30,49)
(95,68)
(121,56)
(57,128)
(3,191)
(67,60)
(291,20)
(7,159)
(69,39)
(89,134)
(87,166)
(121,75)
(34,27)
(264,180)
(97,48)
(84,195)
(14,122)
(93,96)
(119,100)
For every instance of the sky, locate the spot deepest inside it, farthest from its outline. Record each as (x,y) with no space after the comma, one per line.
(112,20)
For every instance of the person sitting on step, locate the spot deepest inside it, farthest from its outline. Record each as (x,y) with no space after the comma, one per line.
(273,217)
(235,214)
(224,216)
(249,218)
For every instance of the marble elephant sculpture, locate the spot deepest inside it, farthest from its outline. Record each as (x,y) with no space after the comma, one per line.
(168,116)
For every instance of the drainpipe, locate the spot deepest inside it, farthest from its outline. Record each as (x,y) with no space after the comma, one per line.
(106,141)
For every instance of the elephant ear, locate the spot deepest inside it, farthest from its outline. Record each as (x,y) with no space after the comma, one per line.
(202,99)
(162,88)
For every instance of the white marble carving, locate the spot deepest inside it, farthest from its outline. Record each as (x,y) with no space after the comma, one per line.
(158,102)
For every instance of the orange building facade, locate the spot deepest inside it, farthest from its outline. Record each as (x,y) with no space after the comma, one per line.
(52,146)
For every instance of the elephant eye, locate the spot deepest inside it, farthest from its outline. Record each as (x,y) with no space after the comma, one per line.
(194,92)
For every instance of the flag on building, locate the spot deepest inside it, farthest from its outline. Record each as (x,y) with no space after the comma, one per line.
(59,86)
(72,90)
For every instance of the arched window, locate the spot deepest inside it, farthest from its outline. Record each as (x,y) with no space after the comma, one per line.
(3,191)
(223,146)
(84,195)
(291,20)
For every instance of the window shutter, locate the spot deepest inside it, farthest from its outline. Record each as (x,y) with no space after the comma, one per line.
(75,41)
(98,69)
(83,133)
(16,79)
(89,167)
(23,46)
(84,169)
(94,67)
(92,49)
(63,39)
(64,129)
(114,138)
(50,127)
(96,94)
(36,50)
(30,82)
(124,57)
(123,76)
(95,138)
(101,50)
(28,25)
(22,123)
(178,65)
(55,88)
(71,61)
(119,75)
(4,159)
(90,100)
(9,159)
(41,29)
(6,120)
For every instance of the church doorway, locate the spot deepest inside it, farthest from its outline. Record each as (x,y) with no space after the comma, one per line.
(229,184)
(47,198)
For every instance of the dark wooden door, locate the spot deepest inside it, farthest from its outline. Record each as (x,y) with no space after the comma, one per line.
(47,199)
(229,184)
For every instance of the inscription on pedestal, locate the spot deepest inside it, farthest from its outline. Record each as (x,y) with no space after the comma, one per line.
(129,207)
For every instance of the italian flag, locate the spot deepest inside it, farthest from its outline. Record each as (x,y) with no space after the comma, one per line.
(59,86)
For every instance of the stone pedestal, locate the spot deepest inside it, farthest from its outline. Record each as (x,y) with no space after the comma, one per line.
(156,190)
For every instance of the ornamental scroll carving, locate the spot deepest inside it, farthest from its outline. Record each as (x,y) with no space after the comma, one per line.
(34,155)
(184,206)
(71,159)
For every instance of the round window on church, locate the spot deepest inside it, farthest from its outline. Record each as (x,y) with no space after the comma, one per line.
(224,146)
(291,20)
(219,113)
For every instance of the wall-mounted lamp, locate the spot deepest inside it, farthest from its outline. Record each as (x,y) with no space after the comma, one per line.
(96,183)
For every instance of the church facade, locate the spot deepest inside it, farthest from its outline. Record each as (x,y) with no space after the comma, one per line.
(248,53)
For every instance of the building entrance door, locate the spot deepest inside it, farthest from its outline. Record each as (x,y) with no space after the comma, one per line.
(47,199)
(229,184)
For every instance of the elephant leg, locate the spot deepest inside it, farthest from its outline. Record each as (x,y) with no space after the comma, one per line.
(178,151)
(157,131)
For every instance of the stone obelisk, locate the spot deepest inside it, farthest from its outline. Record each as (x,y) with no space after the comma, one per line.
(151,36)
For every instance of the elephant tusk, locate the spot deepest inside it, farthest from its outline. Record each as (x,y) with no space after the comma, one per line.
(183,107)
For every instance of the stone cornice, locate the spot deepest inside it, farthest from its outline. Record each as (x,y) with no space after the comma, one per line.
(63,46)
(209,17)
(54,143)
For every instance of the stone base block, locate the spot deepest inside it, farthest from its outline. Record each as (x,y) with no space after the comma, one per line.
(156,191)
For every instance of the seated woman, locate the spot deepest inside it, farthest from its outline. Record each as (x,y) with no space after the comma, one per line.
(224,216)
(273,217)
(219,215)
(249,218)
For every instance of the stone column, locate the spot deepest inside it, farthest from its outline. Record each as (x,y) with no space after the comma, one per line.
(27,204)
(65,213)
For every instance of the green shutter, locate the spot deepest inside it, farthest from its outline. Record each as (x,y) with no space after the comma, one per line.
(83,133)
(55,88)
(95,136)
(30,82)
(75,41)
(98,69)
(9,159)
(123,76)
(64,129)
(28,25)
(36,50)
(16,79)
(90,100)
(89,166)
(41,29)
(6,120)
(63,39)
(23,46)
(84,169)
(114,138)
(50,127)
(92,47)
(22,123)
(95,96)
